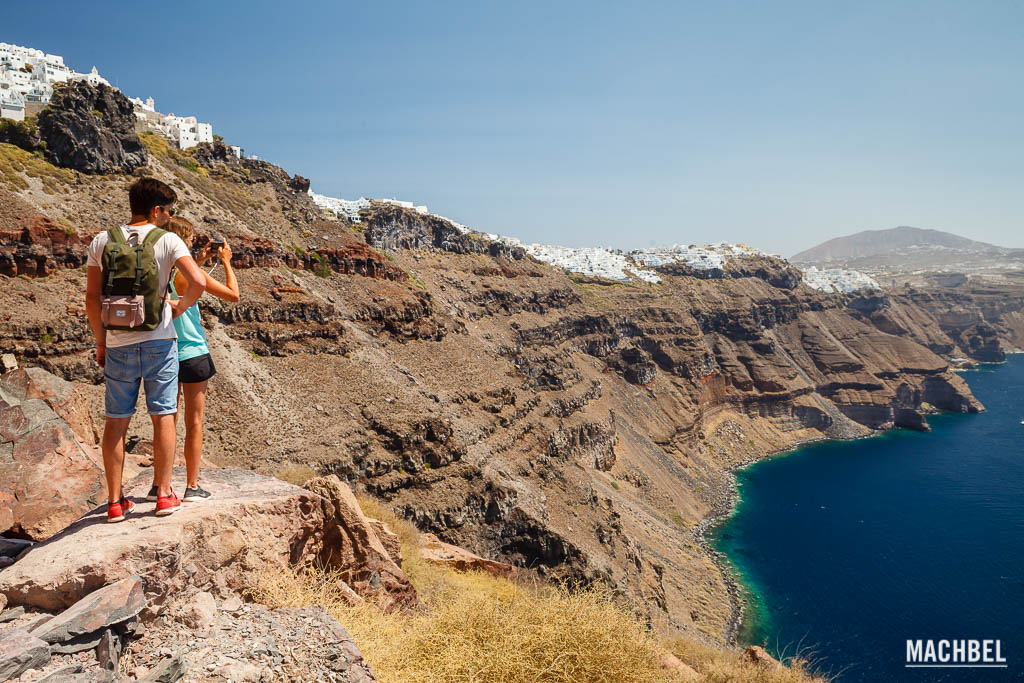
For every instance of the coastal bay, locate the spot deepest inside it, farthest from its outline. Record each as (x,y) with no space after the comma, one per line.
(845,550)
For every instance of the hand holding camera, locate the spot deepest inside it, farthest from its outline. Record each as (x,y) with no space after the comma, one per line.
(223,251)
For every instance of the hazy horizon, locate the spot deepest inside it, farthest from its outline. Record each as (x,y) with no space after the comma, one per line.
(588,124)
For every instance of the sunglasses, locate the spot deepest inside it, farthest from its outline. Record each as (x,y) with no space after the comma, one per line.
(170,211)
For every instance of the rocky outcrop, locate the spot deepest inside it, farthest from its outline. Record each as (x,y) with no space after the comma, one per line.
(112,635)
(774,271)
(252,523)
(91,128)
(980,319)
(389,226)
(758,656)
(358,553)
(23,134)
(41,248)
(436,551)
(49,475)
(593,442)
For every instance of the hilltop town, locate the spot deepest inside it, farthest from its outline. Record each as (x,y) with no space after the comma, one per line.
(28,76)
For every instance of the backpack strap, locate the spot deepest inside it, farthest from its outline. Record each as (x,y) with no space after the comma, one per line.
(116,239)
(151,237)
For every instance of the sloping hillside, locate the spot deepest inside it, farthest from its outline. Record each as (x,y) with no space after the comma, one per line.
(581,428)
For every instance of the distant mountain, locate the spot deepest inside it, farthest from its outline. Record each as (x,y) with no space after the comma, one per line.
(884,242)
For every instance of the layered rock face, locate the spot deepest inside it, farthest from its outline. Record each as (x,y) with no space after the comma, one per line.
(389,226)
(981,319)
(39,248)
(91,128)
(575,428)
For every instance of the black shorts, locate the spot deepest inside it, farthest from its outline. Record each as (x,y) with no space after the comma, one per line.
(198,369)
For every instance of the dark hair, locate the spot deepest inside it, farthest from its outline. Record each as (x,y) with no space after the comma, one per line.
(145,193)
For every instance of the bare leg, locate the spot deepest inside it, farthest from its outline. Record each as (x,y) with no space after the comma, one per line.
(163,452)
(195,405)
(175,430)
(114,430)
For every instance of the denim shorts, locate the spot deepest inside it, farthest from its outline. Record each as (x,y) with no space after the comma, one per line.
(153,362)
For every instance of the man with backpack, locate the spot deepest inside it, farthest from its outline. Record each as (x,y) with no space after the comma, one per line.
(128,270)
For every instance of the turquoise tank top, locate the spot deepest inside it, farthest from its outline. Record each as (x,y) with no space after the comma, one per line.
(191,336)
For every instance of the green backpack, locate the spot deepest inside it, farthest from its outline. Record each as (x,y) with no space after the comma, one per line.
(132,298)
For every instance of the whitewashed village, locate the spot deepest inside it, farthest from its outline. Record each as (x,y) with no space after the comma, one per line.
(27,77)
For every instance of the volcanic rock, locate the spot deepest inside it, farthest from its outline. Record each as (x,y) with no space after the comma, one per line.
(108,651)
(91,128)
(251,522)
(19,652)
(107,606)
(389,226)
(49,476)
(365,563)
(434,550)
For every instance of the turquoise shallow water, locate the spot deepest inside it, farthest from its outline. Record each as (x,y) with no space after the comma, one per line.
(848,549)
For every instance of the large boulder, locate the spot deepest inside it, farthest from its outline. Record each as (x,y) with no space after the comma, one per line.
(251,524)
(51,473)
(107,606)
(91,128)
(367,566)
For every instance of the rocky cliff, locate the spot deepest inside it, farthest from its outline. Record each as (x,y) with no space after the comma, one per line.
(91,128)
(980,318)
(580,429)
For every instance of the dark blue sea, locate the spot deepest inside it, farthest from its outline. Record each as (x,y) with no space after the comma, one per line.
(847,550)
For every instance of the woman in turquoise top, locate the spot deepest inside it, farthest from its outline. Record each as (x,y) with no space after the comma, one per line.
(195,366)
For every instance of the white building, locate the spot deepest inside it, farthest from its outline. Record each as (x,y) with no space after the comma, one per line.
(11,105)
(92,78)
(838,280)
(405,205)
(591,261)
(148,105)
(186,131)
(28,75)
(31,74)
(706,257)
(342,208)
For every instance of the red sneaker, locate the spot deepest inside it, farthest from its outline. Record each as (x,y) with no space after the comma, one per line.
(116,511)
(166,505)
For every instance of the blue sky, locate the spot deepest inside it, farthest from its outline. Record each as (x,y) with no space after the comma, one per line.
(779,124)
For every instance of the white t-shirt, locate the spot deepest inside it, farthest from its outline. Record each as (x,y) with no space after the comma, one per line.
(167,250)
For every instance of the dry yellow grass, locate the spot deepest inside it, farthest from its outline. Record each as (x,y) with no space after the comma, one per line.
(717,665)
(296,474)
(475,628)
(15,161)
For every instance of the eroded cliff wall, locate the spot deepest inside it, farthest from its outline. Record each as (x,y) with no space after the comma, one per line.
(580,428)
